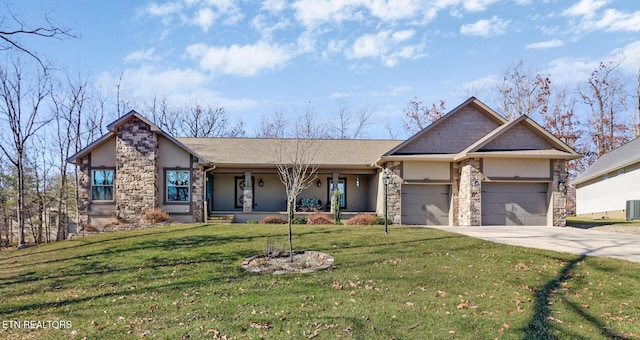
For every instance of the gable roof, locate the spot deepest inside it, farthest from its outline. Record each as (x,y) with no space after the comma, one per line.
(518,138)
(265,152)
(118,123)
(429,135)
(616,159)
(507,140)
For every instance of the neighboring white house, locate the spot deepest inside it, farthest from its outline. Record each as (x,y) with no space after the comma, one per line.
(602,191)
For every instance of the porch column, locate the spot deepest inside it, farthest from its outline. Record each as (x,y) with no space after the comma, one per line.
(469,204)
(247,203)
(335,178)
(559,193)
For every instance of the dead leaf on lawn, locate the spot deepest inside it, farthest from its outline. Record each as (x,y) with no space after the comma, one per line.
(336,285)
(258,325)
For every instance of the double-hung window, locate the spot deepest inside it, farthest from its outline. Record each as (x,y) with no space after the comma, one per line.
(102,184)
(177,186)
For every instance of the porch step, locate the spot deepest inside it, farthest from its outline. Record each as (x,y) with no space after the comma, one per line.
(221,219)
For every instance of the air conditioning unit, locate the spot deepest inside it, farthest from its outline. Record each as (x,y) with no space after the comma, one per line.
(633,210)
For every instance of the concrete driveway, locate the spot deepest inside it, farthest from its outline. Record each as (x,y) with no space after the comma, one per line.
(568,240)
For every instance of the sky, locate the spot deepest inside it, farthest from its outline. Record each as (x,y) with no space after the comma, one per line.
(255,57)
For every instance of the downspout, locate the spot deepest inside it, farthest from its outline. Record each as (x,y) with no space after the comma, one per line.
(205,206)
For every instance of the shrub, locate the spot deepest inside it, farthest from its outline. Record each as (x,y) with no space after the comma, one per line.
(156,215)
(380,221)
(299,220)
(319,219)
(273,219)
(252,222)
(361,219)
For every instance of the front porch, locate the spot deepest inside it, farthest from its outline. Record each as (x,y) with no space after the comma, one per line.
(227,217)
(251,195)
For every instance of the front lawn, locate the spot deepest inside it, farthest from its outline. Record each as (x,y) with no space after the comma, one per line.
(415,283)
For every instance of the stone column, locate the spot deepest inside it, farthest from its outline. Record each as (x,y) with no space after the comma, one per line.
(559,192)
(394,194)
(455,192)
(470,191)
(84,192)
(247,203)
(136,170)
(197,192)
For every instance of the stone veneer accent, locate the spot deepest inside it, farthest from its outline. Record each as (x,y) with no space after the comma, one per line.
(470,192)
(84,192)
(394,192)
(559,198)
(136,170)
(197,191)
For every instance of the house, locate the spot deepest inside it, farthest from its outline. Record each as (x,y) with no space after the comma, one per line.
(471,167)
(604,188)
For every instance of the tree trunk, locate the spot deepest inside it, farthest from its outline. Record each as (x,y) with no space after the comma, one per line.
(290,208)
(20,200)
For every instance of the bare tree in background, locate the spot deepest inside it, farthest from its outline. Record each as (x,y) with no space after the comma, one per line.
(297,169)
(418,116)
(21,98)
(307,125)
(349,124)
(69,113)
(194,121)
(521,92)
(603,95)
(273,126)
(12,29)
(631,105)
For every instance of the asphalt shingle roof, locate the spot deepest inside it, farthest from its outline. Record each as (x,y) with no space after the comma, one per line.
(266,151)
(611,161)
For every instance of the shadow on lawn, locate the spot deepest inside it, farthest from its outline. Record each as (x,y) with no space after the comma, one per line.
(542,325)
(88,266)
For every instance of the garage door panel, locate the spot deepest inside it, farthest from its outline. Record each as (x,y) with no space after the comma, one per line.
(425,204)
(514,203)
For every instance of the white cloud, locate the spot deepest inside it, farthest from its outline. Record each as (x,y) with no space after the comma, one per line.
(245,60)
(386,46)
(630,56)
(477,5)
(146,55)
(274,5)
(204,18)
(485,28)
(546,44)
(312,13)
(585,8)
(614,20)
(334,47)
(159,10)
(389,10)
(570,70)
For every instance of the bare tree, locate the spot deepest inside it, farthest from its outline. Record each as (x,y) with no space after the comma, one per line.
(521,92)
(273,126)
(68,107)
(602,95)
(418,116)
(348,123)
(12,29)
(307,125)
(631,104)
(20,108)
(297,169)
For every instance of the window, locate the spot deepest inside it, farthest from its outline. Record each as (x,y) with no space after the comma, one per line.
(177,185)
(102,184)
(342,186)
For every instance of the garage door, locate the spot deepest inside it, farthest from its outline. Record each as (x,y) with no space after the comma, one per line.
(514,203)
(425,204)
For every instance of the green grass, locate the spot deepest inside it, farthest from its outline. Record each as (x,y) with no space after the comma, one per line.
(415,283)
(585,221)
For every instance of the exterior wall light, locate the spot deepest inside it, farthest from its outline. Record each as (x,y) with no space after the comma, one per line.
(319,183)
(261,183)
